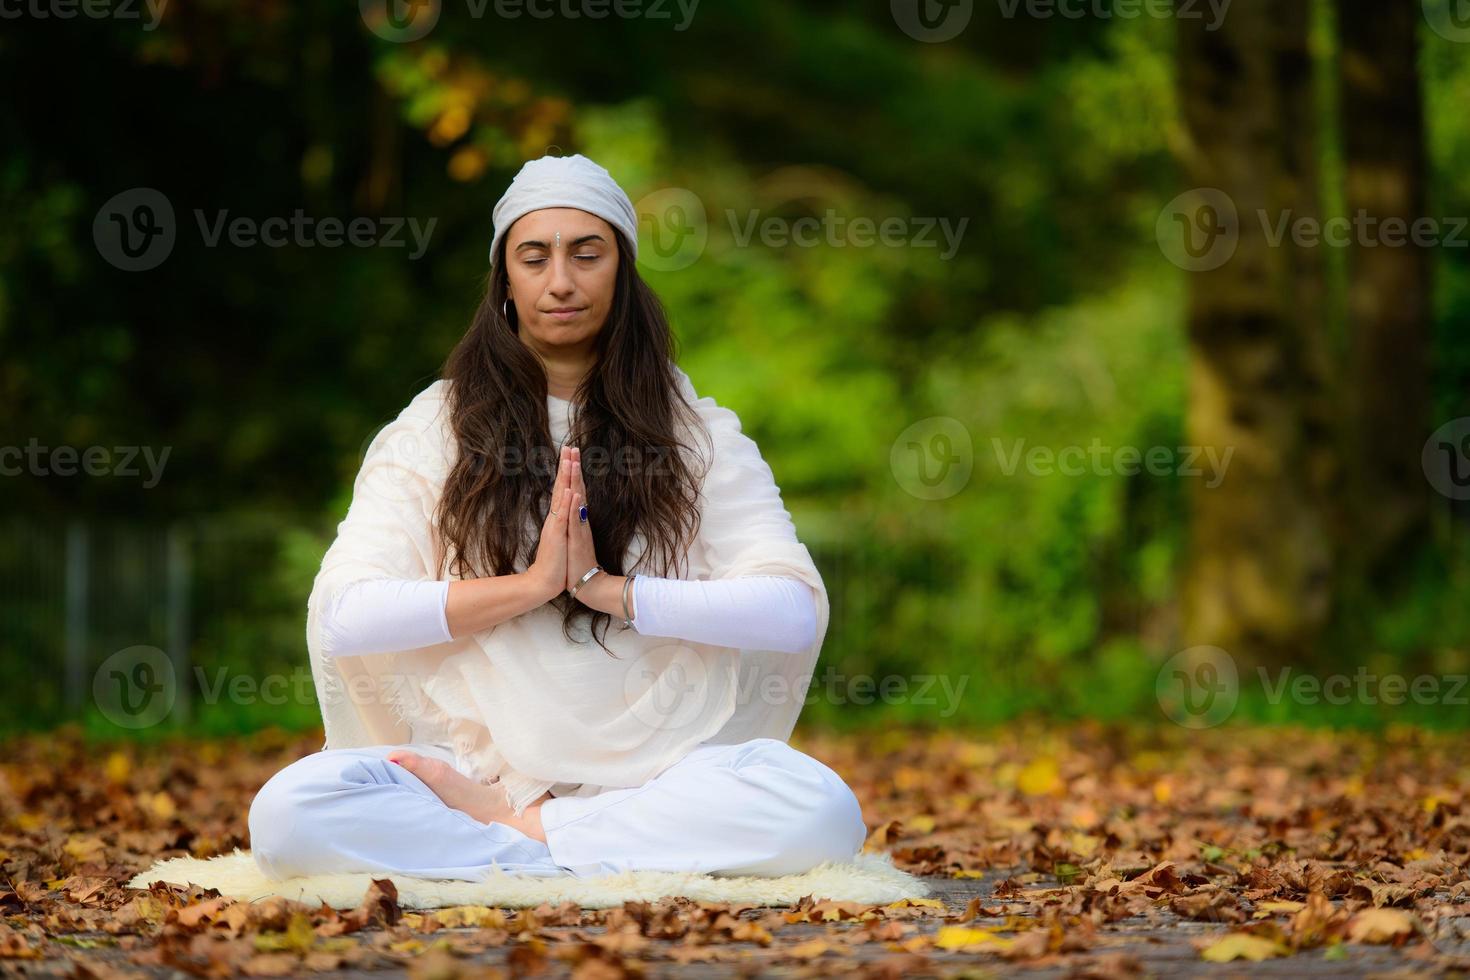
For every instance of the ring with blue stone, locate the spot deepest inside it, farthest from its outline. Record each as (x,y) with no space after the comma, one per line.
(582,514)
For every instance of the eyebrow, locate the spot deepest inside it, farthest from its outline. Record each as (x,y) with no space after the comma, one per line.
(533,243)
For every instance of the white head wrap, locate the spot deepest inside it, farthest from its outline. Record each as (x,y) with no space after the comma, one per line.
(565,182)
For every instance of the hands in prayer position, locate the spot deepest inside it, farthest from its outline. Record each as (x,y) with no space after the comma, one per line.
(566,550)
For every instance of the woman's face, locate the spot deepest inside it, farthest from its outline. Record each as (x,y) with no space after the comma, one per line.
(562,265)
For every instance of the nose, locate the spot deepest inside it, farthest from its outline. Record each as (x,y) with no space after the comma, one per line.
(560,284)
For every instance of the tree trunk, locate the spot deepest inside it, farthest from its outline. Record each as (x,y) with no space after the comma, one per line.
(1389,284)
(1258,577)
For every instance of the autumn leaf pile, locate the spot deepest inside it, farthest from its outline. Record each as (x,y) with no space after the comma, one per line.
(1091,850)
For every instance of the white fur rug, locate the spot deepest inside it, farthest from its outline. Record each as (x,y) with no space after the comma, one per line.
(869,878)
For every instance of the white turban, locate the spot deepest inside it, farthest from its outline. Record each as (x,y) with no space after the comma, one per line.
(565,182)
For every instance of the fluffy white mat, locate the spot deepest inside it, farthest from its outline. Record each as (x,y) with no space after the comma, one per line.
(870,878)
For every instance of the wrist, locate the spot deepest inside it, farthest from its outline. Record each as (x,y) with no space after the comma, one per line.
(603,592)
(543,587)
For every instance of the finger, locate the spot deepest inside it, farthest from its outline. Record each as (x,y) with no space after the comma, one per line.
(563,470)
(577,483)
(561,502)
(579,504)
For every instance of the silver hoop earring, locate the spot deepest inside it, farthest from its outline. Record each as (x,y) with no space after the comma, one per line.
(505,309)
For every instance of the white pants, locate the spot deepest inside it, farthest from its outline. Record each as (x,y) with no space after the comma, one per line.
(757,808)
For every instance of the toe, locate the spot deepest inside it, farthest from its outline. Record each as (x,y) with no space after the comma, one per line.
(425,769)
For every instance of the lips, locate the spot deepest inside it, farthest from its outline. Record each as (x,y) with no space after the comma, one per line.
(565,313)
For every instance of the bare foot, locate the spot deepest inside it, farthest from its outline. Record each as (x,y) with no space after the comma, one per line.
(485,802)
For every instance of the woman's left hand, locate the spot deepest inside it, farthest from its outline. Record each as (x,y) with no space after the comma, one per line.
(581,551)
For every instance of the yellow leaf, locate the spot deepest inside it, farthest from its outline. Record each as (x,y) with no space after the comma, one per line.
(1243,946)
(1085,845)
(1163,791)
(461,916)
(163,806)
(965,873)
(299,937)
(1282,907)
(963,937)
(83,848)
(118,767)
(915,903)
(1379,926)
(809,950)
(1039,778)
(921,824)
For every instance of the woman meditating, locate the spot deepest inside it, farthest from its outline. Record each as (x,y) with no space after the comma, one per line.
(566,625)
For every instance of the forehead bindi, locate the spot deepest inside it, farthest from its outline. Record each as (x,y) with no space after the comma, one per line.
(560,231)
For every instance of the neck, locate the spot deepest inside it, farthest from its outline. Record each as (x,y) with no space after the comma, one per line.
(565,367)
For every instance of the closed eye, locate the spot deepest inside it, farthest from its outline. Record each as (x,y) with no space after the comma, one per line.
(539,261)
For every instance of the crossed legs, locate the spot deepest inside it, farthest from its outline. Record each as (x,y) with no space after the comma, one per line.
(759,807)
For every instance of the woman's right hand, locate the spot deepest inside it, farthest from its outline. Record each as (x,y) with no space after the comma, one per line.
(549,570)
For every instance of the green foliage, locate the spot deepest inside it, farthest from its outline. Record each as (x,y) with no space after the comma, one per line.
(1055,323)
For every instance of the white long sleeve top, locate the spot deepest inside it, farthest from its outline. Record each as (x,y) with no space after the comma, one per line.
(757,612)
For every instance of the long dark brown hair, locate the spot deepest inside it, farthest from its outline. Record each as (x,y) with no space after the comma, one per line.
(640,476)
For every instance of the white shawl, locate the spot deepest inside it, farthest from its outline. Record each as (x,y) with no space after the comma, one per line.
(520,703)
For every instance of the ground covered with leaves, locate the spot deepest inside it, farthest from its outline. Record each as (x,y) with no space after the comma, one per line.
(1087,851)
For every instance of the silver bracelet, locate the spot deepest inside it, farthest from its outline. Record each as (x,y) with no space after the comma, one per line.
(583,580)
(627,584)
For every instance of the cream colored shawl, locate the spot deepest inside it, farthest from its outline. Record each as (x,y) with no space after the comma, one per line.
(520,703)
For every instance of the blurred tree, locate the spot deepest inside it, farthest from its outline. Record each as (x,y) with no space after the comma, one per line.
(1389,282)
(1257,579)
